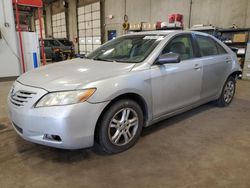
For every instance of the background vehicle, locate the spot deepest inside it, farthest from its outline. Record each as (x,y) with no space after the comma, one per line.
(67,47)
(52,50)
(128,83)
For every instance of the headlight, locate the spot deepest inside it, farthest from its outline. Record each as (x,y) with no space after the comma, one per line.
(65,98)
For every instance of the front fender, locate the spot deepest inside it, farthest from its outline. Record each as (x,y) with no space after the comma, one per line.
(137,82)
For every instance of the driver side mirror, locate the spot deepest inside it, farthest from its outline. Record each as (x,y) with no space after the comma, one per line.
(168,58)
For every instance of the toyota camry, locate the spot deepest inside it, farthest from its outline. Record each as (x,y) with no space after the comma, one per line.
(128,83)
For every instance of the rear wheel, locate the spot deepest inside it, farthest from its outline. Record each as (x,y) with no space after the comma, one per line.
(227,93)
(120,126)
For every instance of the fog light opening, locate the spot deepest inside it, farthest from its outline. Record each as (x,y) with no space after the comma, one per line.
(52,137)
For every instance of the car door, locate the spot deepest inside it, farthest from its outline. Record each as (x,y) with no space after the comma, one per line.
(216,64)
(176,85)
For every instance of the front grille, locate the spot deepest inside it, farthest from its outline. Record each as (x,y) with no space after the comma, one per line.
(21,97)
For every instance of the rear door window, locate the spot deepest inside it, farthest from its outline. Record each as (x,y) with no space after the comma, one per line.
(54,43)
(207,46)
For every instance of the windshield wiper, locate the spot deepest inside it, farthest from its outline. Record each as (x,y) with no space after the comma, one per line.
(101,59)
(124,61)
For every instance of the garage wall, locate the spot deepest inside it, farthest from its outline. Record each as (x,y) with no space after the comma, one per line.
(222,13)
(156,10)
(248,15)
(72,23)
(48,17)
(142,11)
(57,6)
(9,53)
(117,9)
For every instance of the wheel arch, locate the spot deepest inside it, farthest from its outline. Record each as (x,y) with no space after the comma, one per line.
(235,74)
(132,96)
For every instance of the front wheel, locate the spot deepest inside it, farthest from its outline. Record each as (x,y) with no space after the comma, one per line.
(227,93)
(120,126)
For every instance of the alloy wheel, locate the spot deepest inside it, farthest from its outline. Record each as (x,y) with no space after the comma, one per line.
(123,127)
(229,91)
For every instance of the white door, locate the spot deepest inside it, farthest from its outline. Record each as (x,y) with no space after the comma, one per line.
(59,25)
(89,27)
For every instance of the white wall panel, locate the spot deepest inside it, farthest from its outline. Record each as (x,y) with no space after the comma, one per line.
(59,25)
(81,18)
(82,41)
(97,32)
(37,25)
(81,26)
(96,15)
(87,8)
(96,24)
(88,25)
(88,17)
(89,48)
(81,10)
(96,40)
(81,33)
(89,40)
(95,6)
(88,33)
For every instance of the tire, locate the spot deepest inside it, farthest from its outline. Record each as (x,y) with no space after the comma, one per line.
(227,93)
(120,127)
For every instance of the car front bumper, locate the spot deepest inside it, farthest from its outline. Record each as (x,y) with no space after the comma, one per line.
(73,124)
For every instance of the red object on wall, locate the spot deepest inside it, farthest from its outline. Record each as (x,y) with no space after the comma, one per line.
(32,3)
(172,18)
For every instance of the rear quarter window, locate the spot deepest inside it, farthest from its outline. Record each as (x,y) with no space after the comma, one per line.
(221,50)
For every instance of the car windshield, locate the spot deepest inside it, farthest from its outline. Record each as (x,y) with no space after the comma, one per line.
(65,42)
(130,49)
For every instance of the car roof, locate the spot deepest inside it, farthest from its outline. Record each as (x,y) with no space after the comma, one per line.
(160,32)
(55,39)
(166,32)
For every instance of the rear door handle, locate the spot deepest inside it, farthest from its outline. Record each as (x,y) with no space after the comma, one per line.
(228,60)
(197,67)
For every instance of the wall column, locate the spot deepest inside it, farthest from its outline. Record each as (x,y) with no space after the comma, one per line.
(72,22)
(48,21)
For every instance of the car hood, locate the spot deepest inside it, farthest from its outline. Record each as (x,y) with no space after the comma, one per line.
(73,74)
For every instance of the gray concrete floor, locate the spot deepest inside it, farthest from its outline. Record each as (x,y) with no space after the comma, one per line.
(205,147)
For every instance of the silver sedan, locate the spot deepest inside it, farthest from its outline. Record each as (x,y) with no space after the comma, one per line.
(128,83)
